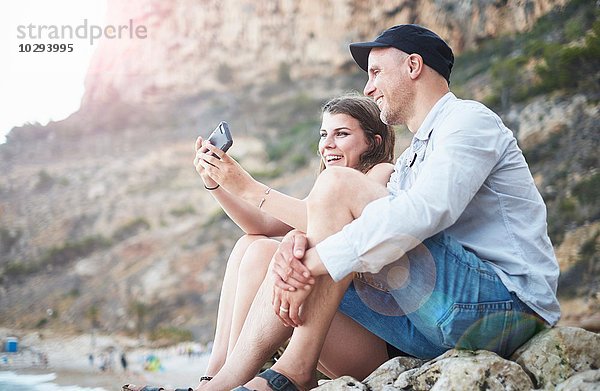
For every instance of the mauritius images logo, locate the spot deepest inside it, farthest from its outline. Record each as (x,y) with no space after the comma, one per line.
(83,31)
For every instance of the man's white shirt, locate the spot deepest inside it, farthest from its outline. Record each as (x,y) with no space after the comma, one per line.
(463,174)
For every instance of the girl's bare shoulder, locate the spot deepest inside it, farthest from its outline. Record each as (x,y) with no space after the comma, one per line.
(381,172)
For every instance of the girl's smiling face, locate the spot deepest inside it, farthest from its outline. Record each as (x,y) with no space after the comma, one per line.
(342,140)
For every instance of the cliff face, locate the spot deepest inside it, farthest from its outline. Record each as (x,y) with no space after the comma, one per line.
(211,46)
(102,217)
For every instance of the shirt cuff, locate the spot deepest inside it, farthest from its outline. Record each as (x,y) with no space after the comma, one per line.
(338,255)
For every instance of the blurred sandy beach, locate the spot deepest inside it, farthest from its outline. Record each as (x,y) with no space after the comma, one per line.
(46,359)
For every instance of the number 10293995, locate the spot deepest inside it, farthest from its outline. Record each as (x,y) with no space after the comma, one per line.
(46,48)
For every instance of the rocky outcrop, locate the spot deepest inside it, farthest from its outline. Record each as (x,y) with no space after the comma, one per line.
(387,373)
(584,381)
(193,47)
(543,117)
(344,383)
(465,370)
(553,356)
(559,358)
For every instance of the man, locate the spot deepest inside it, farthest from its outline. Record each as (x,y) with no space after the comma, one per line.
(457,241)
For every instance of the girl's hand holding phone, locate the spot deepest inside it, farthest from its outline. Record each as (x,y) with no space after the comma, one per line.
(209,183)
(227,172)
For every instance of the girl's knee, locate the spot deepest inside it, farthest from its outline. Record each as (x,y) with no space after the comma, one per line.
(342,188)
(332,181)
(334,178)
(258,255)
(240,248)
(246,240)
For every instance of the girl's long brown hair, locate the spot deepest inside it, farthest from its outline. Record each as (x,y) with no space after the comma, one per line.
(366,113)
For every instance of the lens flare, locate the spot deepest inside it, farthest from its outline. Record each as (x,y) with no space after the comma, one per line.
(401,287)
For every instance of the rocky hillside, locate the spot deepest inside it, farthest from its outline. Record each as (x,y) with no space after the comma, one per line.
(103,221)
(211,46)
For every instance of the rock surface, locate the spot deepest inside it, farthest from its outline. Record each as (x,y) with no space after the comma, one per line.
(386,374)
(561,358)
(466,370)
(584,381)
(344,383)
(554,355)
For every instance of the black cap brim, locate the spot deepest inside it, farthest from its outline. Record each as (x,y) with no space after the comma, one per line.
(360,52)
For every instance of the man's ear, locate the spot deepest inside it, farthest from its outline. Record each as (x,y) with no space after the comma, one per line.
(415,65)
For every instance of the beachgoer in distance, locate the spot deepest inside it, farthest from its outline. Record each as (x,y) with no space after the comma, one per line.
(124,361)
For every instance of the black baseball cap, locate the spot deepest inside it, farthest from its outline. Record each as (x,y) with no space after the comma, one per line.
(410,38)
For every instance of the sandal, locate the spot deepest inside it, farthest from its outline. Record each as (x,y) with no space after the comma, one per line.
(131,387)
(275,380)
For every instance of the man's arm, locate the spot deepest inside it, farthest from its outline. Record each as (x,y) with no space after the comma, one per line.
(291,259)
(449,178)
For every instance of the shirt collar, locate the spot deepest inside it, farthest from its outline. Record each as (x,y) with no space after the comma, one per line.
(427,126)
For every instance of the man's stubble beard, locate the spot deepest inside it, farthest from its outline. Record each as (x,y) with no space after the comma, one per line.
(400,108)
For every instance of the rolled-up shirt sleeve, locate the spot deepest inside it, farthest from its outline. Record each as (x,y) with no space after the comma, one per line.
(459,162)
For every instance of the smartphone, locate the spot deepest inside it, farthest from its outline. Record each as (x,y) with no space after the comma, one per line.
(221,137)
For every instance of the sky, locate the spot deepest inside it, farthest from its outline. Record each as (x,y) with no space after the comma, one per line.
(39,87)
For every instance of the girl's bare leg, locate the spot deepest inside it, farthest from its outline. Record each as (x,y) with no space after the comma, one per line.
(226,304)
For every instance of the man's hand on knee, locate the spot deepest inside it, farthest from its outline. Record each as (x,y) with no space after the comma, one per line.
(287,269)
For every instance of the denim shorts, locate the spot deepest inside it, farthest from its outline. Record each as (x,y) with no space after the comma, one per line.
(437,297)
